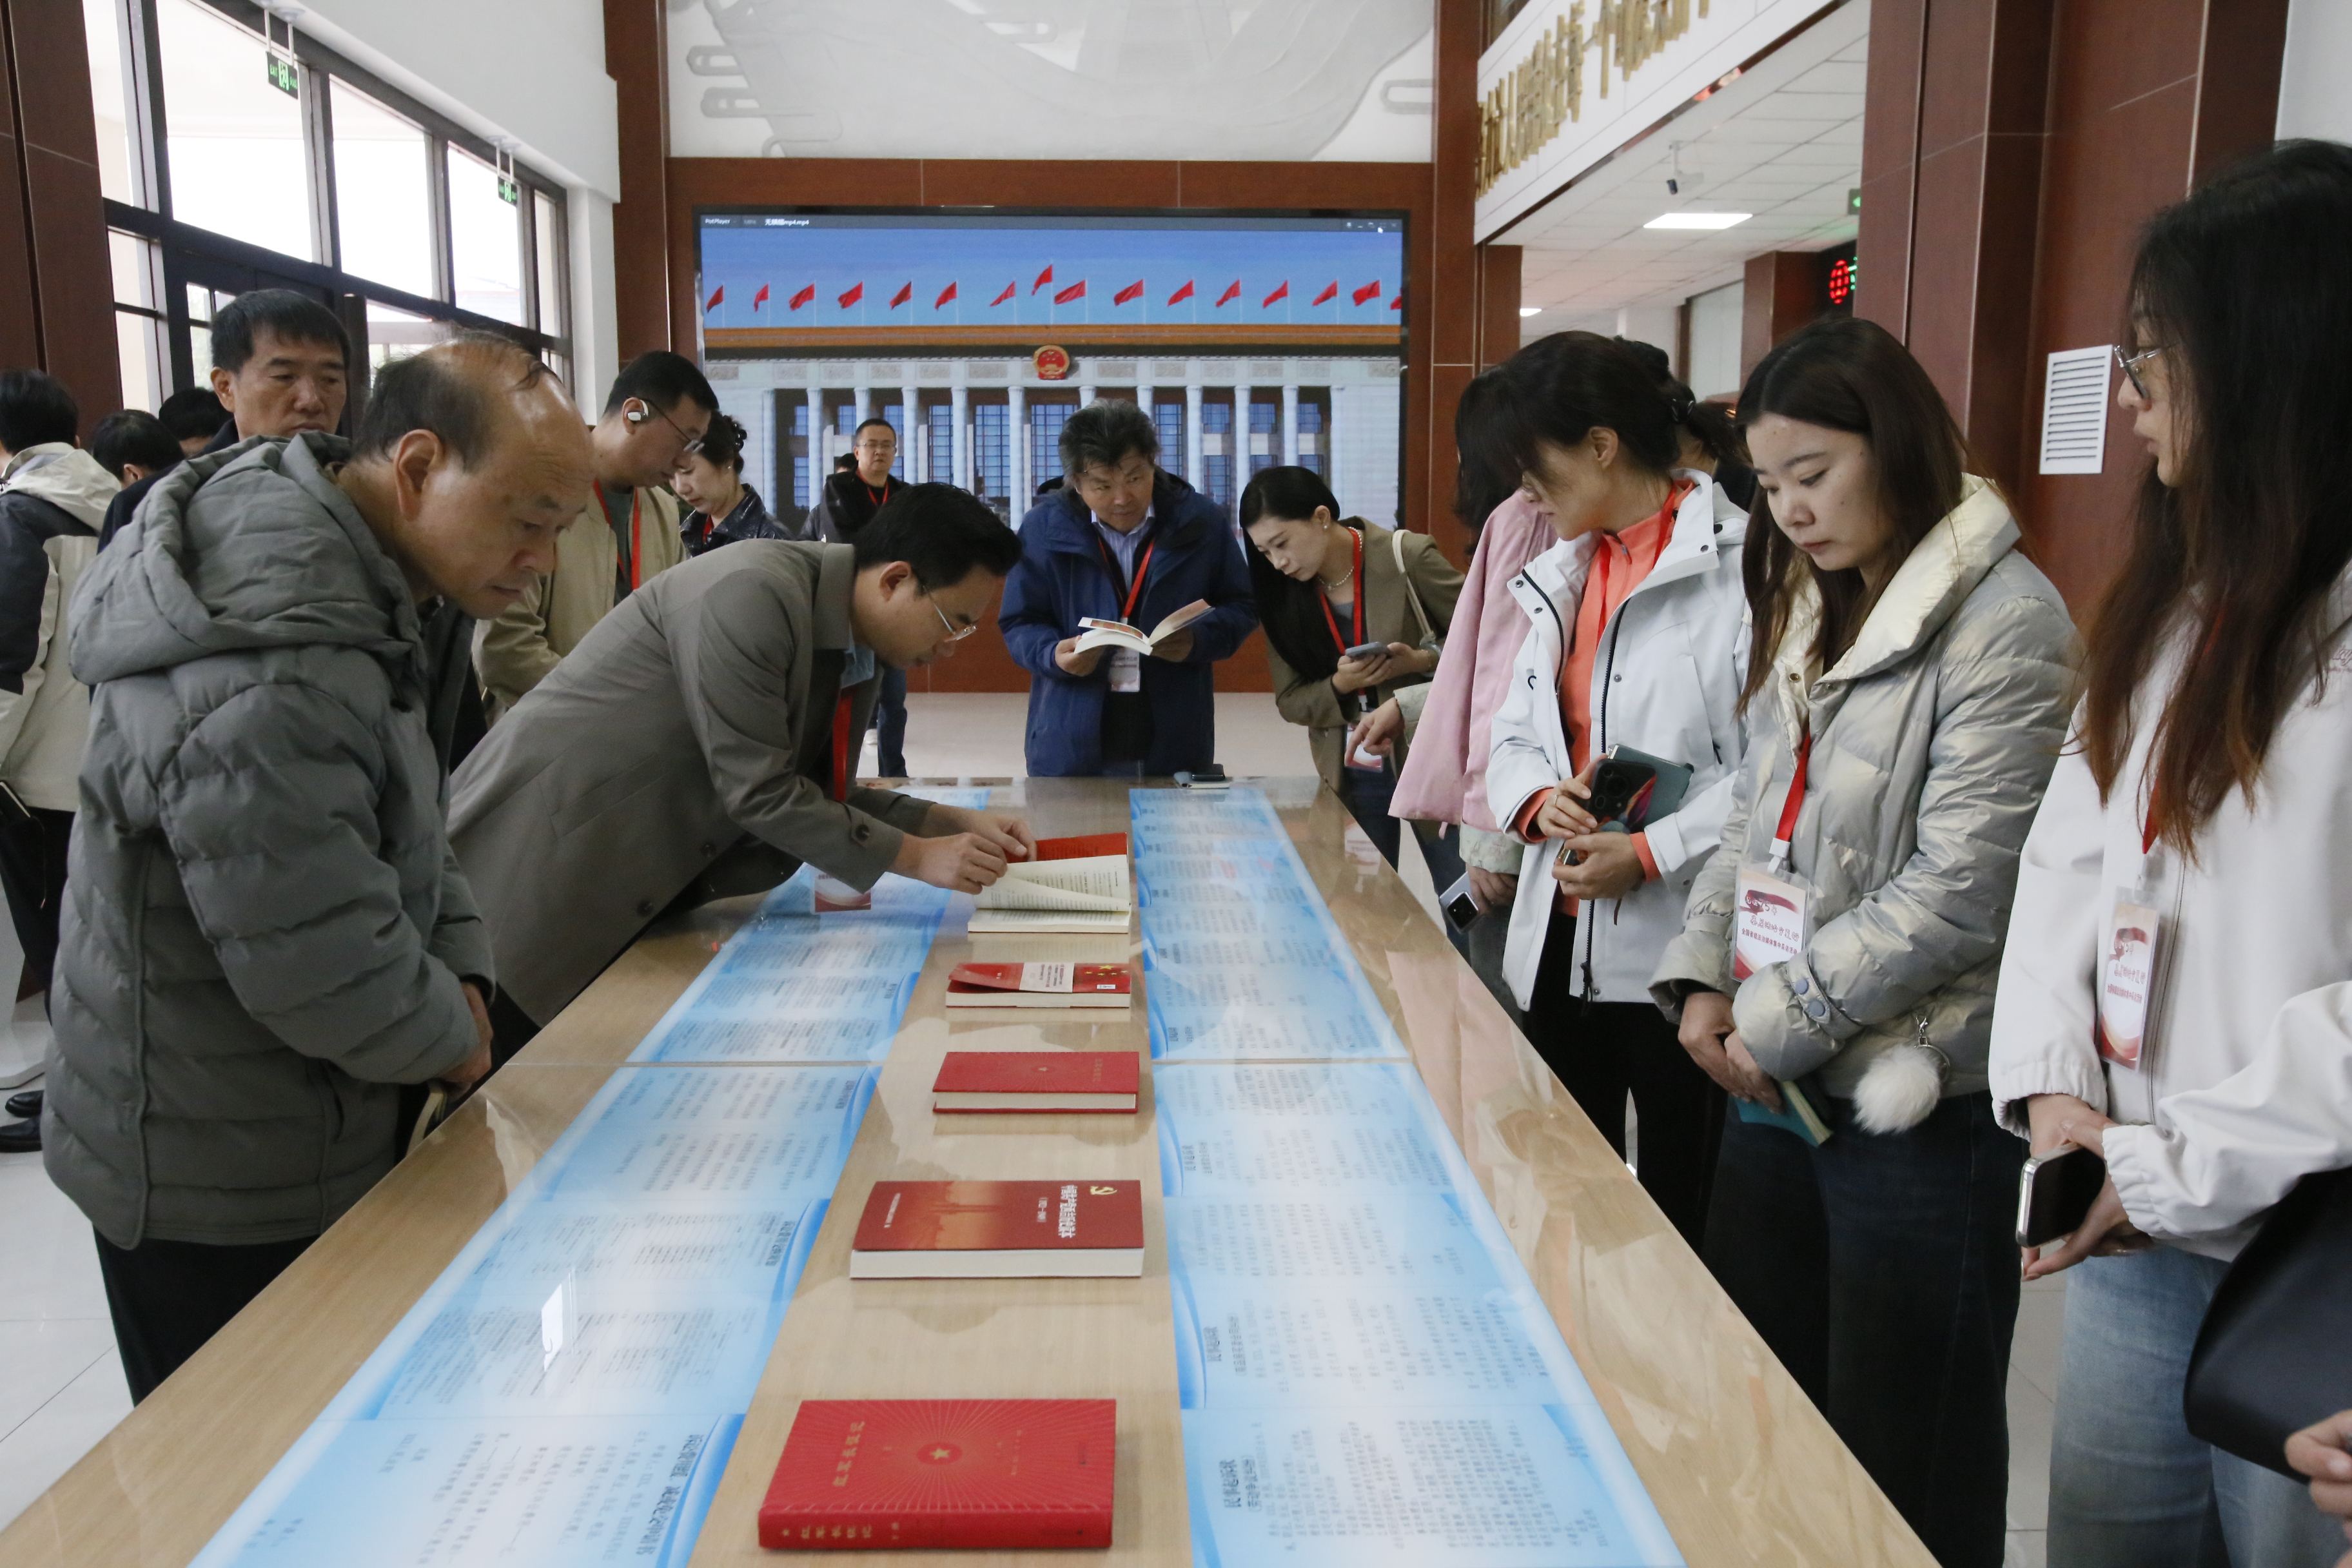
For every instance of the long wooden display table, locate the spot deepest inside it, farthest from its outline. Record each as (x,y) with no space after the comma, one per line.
(1741,1466)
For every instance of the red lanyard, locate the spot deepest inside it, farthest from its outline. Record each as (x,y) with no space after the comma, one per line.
(1134,590)
(636,531)
(841,751)
(880,499)
(1796,801)
(1325,600)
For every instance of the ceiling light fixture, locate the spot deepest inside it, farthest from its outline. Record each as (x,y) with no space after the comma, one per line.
(1698,220)
(1526,310)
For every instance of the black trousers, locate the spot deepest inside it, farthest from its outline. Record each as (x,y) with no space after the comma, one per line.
(511,1030)
(33,871)
(1602,1051)
(167,1298)
(890,725)
(1881,1270)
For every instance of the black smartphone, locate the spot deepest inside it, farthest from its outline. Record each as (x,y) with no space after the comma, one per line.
(1210,775)
(1461,909)
(2054,1194)
(1617,784)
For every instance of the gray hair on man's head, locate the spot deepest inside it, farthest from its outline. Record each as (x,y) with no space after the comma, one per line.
(1107,431)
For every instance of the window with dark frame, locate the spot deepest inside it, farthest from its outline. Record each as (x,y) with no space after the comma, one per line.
(226,137)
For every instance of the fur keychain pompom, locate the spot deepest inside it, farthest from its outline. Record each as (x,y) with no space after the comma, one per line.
(1899,1090)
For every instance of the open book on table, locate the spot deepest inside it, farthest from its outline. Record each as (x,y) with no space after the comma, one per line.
(1119,634)
(1089,894)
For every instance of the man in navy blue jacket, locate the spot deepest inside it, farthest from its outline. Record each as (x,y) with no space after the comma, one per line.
(1122,540)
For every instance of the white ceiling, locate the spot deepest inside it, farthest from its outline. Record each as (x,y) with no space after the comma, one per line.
(1784,141)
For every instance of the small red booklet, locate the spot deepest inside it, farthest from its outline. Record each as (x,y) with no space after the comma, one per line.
(1083,848)
(999,1475)
(1036,1080)
(1039,986)
(1000,1230)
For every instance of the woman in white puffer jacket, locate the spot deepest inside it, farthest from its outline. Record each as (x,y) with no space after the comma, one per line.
(2209,784)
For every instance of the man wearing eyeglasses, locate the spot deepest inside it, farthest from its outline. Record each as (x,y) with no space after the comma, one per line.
(702,742)
(627,535)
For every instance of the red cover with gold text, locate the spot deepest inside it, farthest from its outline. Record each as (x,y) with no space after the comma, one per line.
(972,1226)
(1038,1072)
(1005,1475)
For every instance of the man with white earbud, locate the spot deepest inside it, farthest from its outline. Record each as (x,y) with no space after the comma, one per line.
(658,411)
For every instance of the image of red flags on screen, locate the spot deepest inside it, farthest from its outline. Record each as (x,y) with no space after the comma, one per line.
(948,293)
(1232,291)
(761,298)
(1009,288)
(807,292)
(1281,291)
(1330,292)
(1181,294)
(716,295)
(1132,291)
(1367,293)
(1074,291)
(905,292)
(1397,303)
(855,293)
(1043,278)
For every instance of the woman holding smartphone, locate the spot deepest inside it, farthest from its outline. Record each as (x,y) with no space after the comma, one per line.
(2178,992)
(1631,640)
(1906,696)
(1352,613)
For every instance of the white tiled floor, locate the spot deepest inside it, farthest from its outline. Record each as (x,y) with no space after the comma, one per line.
(61,1386)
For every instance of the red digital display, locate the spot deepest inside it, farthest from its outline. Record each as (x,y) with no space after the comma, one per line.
(1841,280)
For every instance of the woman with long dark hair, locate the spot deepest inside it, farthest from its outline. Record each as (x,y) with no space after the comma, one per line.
(1906,691)
(1352,612)
(2176,993)
(1631,641)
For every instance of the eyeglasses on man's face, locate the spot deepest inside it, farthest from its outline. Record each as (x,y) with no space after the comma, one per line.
(688,442)
(955,632)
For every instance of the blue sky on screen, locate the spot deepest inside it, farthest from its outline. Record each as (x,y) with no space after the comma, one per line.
(821,258)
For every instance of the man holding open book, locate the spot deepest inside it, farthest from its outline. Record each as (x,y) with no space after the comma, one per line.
(702,742)
(1130,586)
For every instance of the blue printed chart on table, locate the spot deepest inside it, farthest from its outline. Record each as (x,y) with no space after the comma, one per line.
(569,1389)
(795,984)
(1368,1377)
(1240,959)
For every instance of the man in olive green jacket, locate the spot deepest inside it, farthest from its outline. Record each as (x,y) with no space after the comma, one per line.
(625,537)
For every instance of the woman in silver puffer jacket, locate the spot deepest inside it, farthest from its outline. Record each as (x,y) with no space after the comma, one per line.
(1909,680)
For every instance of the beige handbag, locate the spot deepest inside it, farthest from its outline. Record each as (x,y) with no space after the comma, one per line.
(1429,638)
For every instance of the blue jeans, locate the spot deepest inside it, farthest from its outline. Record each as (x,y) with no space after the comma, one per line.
(2128,1485)
(890,725)
(1881,1270)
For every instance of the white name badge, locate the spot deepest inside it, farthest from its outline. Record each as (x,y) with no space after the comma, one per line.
(2127,959)
(1767,922)
(1126,670)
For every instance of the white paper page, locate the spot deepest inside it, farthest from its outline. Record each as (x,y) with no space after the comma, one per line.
(1098,883)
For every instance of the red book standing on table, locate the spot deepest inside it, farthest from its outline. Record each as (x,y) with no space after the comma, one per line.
(894,1475)
(1000,1230)
(1036,1080)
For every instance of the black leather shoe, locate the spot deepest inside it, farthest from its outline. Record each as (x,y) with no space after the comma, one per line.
(26,1105)
(20,1138)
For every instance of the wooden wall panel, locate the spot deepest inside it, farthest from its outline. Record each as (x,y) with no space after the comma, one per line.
(634,42)
(1778,296)
(59,237)
(20,323)
(2144,101)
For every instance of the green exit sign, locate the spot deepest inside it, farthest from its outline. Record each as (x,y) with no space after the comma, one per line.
(285,75)
(508,192)
(1853,201)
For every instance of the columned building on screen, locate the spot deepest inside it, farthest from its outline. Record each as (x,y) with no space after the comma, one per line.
(992,425)
(1252,341)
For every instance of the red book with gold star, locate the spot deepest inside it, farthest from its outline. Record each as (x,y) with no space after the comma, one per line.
(1000,1230)
(897,1475)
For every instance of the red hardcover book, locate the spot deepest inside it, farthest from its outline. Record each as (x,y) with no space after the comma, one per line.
(1082,847)
(1036,1080)
(1000,1230)
(1039,986)
(895,1475)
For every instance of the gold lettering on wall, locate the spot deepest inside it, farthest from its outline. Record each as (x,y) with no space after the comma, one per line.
(1533,99)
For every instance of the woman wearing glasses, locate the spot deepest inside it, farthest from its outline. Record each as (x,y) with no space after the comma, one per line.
(2192,840)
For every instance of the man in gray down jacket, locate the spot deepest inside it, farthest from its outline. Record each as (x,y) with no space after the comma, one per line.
(265,932)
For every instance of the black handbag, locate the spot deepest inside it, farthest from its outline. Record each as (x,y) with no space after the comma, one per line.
(2275,1353)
